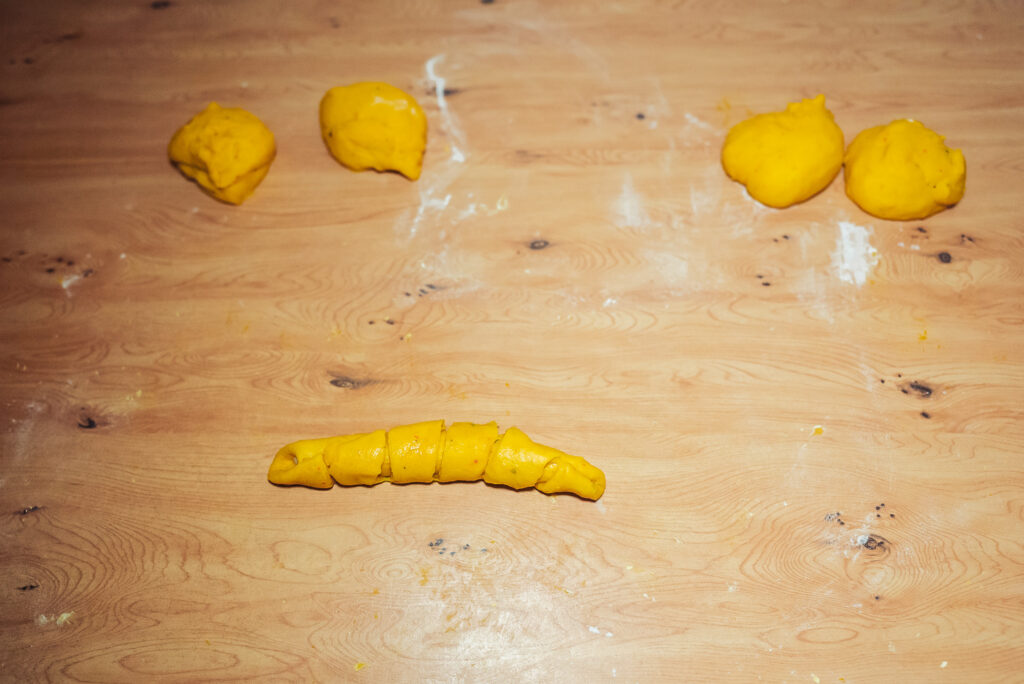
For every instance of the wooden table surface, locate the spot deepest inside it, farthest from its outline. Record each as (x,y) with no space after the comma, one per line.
(810,419)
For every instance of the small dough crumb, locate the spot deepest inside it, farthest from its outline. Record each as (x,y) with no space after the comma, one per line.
(227,151)
(903,171)
(784,158)
(374,126)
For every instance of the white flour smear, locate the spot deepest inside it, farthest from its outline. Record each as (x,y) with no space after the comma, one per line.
(434,195)
(629,206)
(854,256)
(694,121)
(449,123)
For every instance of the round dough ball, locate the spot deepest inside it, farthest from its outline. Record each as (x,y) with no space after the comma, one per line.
(227,151)
(903,171)
(785,157)
(374,126)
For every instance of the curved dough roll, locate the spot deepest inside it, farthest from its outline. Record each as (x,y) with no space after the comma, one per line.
(425,452)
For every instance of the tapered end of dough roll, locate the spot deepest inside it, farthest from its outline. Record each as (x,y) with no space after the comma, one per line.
(572,474)
(301,463)
(517,461)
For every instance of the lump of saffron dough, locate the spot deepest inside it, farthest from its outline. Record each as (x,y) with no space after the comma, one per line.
(903,171)
(374,125)
(785,157)
(227,151)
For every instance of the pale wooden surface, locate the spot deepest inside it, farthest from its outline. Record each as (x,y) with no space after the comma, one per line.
(200,337)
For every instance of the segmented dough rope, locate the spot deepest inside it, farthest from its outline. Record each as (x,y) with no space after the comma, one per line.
(427,452)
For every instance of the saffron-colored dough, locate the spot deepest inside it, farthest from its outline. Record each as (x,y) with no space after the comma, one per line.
(425,452)
(374,126)
(785,157)
(903,171)
(227,151)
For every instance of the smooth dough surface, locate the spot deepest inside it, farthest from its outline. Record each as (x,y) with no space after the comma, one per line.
(785,157)
(227,151)
(903,171)
(374,126)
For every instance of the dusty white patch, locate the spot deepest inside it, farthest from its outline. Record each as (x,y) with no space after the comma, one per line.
(471,210)
(734,587)
(705,198)
(694,121)
(700,202)
(672,268)
(68,281)
(629,206)
(429,203)
(449,124)
(435,198)
(943,664)
(741,217)
(854,256)
(593,629)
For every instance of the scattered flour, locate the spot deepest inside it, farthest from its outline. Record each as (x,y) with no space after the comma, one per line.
(629,206)
(434,195)
(449,124)
(694,121)
(854,256)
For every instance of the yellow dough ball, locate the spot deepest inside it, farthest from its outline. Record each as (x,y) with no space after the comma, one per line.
(903,171)
(785,157)
(227,151)
(374,126)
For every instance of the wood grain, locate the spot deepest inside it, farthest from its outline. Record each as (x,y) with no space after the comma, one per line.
(813,464)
